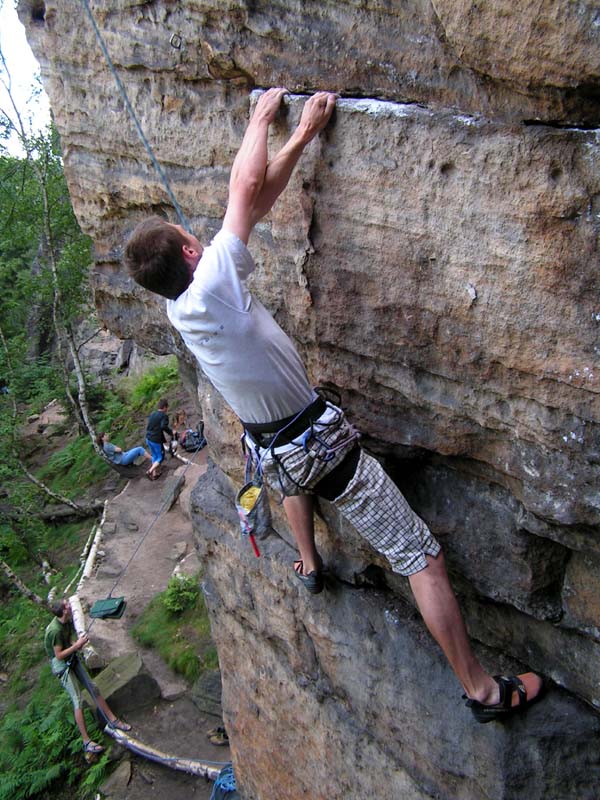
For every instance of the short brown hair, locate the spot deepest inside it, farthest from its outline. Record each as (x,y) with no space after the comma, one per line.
(58,608)
(154,258)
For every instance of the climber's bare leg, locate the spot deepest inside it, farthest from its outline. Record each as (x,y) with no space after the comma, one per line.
(103,706)
(299,511)
(80,720)
(439,608)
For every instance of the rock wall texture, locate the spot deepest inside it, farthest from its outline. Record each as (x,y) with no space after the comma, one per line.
(435,258)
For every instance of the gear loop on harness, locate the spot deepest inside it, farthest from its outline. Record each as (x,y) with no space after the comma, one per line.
(320,442)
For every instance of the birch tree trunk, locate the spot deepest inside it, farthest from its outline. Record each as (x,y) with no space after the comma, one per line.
(18,584)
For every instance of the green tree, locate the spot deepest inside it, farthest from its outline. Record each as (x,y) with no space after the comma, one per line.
(44,264)
(44,252)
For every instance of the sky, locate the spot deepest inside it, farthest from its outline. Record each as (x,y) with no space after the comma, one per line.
(23,70)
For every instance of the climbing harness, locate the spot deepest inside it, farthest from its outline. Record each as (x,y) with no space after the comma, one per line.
(174,39)
(252,501)
(320,429)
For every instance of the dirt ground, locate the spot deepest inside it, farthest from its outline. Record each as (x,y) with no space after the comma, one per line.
(143,544)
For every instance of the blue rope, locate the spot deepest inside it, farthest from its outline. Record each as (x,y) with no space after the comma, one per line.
(225,783)
(133,116)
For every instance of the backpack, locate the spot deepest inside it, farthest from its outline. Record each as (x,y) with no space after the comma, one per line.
(193,441)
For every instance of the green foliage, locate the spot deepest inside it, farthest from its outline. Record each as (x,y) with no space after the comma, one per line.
(41,249)
(181,593)
(42,745)
(182,638)
(116,416)
(122,412)
(154,384)
(39,744)
(76,466)
(73,468)
(20,645)
(31,231)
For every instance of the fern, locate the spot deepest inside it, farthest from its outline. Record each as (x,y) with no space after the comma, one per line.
(9,783)
(155,383)
(96,774)
(42,778)
(40,746)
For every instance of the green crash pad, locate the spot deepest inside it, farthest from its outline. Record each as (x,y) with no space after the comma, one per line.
(111,608)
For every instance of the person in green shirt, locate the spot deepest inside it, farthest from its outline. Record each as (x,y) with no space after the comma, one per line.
(62,646)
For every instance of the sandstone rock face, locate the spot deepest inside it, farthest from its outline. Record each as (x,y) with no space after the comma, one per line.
(435,258)
(344,695)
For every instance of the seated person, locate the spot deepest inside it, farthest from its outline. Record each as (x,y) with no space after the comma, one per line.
(116,455)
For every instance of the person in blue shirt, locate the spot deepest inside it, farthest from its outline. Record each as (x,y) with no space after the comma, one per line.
(118,456)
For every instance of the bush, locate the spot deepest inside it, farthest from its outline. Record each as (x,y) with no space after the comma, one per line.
(154,384)
(75,467)
(182,638)
(182,592)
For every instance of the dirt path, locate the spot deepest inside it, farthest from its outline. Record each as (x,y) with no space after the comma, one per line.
(142,544)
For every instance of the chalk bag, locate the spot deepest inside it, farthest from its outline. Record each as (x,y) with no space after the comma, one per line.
(252,503)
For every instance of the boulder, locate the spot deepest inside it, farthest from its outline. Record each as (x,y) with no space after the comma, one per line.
(126,684)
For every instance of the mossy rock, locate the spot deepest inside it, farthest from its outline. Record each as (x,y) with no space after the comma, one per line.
(127,684)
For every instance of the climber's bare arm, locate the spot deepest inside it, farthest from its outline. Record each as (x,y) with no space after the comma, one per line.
(255,183)
(250,165)
(316,114)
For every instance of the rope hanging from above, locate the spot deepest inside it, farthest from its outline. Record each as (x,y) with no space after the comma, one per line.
(132,114)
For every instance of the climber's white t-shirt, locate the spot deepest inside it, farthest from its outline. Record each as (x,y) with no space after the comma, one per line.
(241,349)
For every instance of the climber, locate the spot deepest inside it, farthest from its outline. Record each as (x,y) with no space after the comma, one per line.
(157,426)
(66,665)
(116,454)
(303,442)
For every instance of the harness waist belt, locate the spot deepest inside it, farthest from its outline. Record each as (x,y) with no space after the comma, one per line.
(263,433)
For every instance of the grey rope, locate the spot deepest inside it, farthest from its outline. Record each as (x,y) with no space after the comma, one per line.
(133,116)
(143,539)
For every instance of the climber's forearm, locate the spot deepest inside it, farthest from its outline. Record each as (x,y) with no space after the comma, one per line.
(250,166)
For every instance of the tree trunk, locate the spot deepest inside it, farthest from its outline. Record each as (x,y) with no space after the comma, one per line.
(18,584)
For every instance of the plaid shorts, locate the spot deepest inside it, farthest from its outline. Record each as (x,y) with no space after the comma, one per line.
(371,501)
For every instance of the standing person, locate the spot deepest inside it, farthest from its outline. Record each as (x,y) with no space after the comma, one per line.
(304,444)
(62,648)
(157,426)
(116,454)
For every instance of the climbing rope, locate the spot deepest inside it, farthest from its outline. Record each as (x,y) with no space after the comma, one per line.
(225,784)
(204,768)
(133,116)
(133,745)
(144,537)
